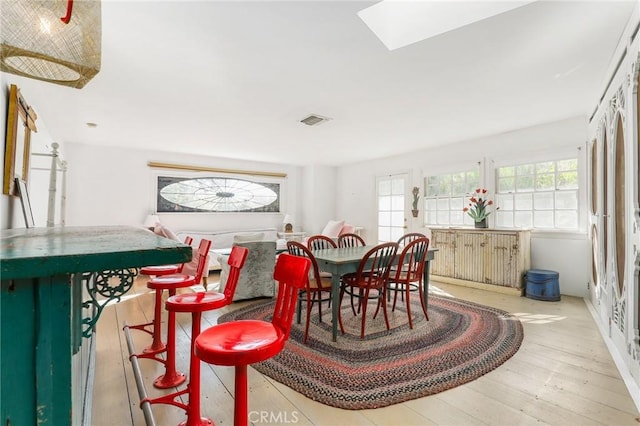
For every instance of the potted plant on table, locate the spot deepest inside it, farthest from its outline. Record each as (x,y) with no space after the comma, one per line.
(478,207)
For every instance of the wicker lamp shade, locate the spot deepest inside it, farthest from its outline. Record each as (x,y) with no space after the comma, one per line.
(37,43)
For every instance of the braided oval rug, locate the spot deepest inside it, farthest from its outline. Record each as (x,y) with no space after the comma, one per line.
(461,342)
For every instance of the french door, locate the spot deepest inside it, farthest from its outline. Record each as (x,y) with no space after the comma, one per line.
(393,205)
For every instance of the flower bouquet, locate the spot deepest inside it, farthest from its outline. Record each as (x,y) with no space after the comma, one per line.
(478,208)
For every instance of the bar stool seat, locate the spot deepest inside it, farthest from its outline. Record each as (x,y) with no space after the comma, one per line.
(160,270)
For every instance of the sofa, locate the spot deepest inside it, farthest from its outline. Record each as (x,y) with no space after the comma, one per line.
(222,241)
(256,277)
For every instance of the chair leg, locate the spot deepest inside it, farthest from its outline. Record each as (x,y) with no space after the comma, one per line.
(193,413)
(384,308)
(364,311)
(171,377)
(240,412)
(156,345)
(408,290)
(306,328)
(340,310)
(426,316)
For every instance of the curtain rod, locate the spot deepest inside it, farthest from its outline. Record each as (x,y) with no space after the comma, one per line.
(158,165)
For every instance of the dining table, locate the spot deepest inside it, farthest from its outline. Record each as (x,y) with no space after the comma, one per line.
(343,260)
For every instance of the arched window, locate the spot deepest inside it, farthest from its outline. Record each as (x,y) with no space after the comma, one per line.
(216,194)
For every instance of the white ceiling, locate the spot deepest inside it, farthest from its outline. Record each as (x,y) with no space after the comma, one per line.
(233,79)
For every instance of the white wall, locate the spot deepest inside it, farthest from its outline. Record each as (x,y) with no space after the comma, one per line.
(114,186)
(318,197)
(566,253)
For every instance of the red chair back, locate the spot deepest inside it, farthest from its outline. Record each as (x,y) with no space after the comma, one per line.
(297,249)
(412,260)
(187,240)
(236,262)
(407,238)
(320,242)
(292,273)
(203,252)
(350,240)
(373,270)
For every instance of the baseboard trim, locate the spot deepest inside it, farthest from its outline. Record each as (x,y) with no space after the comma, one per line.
(481,286)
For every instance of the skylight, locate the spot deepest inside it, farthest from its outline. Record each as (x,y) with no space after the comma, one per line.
(398,23)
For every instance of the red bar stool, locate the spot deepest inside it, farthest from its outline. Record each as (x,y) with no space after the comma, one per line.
(171,283)
(240,343)
(156,271)
(196,303)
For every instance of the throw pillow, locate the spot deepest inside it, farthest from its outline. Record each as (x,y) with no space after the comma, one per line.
(332,229)
(159,229)
(243,238)
(347,228)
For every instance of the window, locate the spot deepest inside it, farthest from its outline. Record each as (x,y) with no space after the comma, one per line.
(445,197)
(216,194)
(538,195)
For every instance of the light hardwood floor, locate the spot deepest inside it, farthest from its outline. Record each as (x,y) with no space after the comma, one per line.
(562,375)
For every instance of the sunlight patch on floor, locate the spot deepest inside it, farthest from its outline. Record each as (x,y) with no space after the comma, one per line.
(438,291)
(538,318)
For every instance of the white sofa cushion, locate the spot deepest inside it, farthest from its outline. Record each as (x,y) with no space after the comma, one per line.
(333,228)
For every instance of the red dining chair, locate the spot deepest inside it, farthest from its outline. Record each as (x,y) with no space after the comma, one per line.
(196,303)
(350,240)
(316,284)
(156,345)
(372,275)
(320,242)
(407,238)
(408,276)
(171,283)
(243,342)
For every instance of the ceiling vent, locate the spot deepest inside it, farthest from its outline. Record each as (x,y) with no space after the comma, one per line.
(314,120)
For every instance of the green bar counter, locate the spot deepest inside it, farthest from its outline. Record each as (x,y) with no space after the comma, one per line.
(55,283)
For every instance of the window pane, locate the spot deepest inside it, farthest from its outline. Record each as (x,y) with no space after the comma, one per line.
(432,185)
(504,219)
(457,217)
(430,204)
(504,201)
(523,202)
(506,171)
(543,201)
(568,180)
(397,202)
(445,186)
(506,184)
(384,203)
(546,167)
(384,187)
(443,204)
(523,219)
(397,218)
(566,219)
(545,181)
(443,217)
(396,233)
(543,219)
(457,203)
(565,165)
(525,169)
(524,183)
(384,217)
(384,233)
(567,200)
(397,186)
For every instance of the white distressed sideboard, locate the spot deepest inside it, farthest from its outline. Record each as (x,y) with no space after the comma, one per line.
(490,259)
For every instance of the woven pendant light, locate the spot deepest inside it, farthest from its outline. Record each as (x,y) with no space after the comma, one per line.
(58,41)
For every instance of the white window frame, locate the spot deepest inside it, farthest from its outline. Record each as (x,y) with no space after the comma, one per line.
(504,204)
(452,214)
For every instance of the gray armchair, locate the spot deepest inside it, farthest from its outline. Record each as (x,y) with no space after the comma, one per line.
(256,277)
